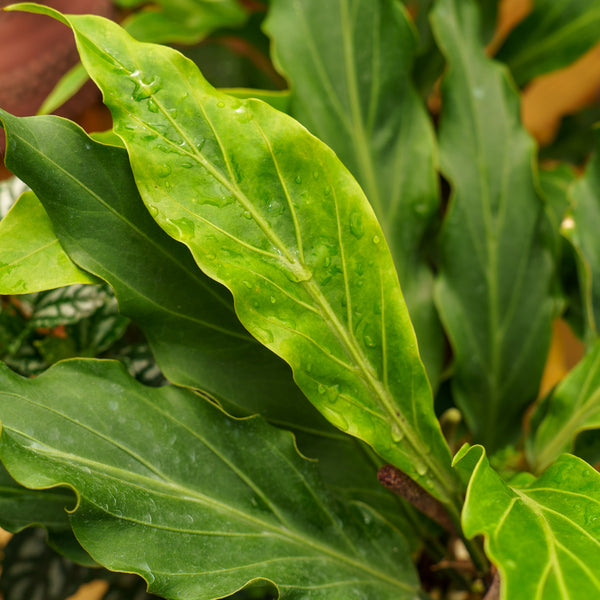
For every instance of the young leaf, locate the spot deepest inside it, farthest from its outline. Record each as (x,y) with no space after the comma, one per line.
(187,318)
(559,513)
(268,210)
(231,500)
(572,408)
(349,66)
(553,35)
(495,269)
(31,257)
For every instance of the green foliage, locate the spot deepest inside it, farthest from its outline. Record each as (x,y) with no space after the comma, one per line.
(291,282)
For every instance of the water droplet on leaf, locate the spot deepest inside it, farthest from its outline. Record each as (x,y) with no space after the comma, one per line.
(356,225)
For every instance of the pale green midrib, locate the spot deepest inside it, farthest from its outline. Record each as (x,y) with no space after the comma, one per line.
(138,232)
(249,482)
(552,541)
(361,142)
(442,478)
(495,397)
(30,254)
(553,562)
(168,489)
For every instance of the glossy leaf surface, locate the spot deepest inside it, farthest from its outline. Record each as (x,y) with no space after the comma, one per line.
(232,500)
(552,36)
(495,269)
(559,517)
(572,408)
(31,257)
(188,319)
(175,305)
(349,65)
(269,210)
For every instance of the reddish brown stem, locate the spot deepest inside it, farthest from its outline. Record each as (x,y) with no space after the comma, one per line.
(399,483)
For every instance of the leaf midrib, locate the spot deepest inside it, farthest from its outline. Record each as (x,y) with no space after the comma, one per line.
(166,487)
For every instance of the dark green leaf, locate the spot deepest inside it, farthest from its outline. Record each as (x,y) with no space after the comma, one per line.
(349,66)
(575,140)
(552,36)
(269,210)
(20,508)
(188,319)
(182,21)
(543,536)
(495,270)
(196,502)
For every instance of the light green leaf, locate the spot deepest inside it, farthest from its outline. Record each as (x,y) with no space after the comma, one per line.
(158,468)
(277,99)
(572,408)
(494,288)
(268,210)
(581,230)
(10,190)
(559,513)
(31,257)
(69,84)
(349,66)
(188,319)
(103,223)
(552,36)
(183,21)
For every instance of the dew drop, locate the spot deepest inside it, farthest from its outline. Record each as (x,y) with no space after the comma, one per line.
(248,215)
(369,341)
(376,239)
(265,336)
(220,104)
(153,210)
(164,171)
(321,389)
(200,144)
(421,468)
(316,174)
(152,106)
(356,225)
(273,300)
(298,179)
(187,165)
(247,284)
(143,88)
(397,433)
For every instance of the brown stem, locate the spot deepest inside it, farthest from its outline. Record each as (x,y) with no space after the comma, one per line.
(399,483)
(493,592)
